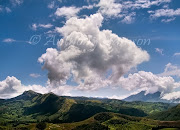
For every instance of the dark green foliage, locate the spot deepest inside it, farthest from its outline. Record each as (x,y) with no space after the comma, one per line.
(79,112)
(41,125)
(103,121)
(164,128)
(102,117)
(132,112)
(130,118)
(116,121)
(148,107)
(22,128)
(173,114)
(93,126)
(50,104)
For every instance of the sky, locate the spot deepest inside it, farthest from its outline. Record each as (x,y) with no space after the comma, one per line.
(94,48)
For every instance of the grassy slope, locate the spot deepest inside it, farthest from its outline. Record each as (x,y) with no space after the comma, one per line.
(30,108)
(112,121)
(173,114)
(147,107)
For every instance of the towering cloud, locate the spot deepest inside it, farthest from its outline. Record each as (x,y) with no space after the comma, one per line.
(87,54)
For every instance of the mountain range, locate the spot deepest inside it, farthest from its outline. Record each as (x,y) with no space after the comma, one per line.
(30,108)
(154,97)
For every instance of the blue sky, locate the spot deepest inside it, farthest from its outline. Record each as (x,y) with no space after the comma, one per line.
(153,25)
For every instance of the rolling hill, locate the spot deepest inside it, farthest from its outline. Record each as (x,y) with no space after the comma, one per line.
(104,121)
(172,114)
(31,107)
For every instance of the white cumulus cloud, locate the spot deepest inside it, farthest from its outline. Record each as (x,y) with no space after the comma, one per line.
(168,20)
(149,82)
(87,53)
(171,70)
(12,87)
(36,26)
(141,4)
(68,12)
(165,13)
(109,8)
(128,19)
(51,5)
(172,96)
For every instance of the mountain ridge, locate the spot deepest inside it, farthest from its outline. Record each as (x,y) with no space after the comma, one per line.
(142,96)
(32,106)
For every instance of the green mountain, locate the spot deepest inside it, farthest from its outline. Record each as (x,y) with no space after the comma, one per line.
(32,107)
(114,121)
(172,114)
(147,107)
(27,95)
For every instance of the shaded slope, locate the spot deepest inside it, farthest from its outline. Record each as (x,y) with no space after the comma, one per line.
(114,104)
(105,121)
(79,112)
(114,121)
(48,103)
(173,114)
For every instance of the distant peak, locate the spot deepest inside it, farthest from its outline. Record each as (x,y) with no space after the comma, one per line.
(144,92)
(142,96)
(29,92)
